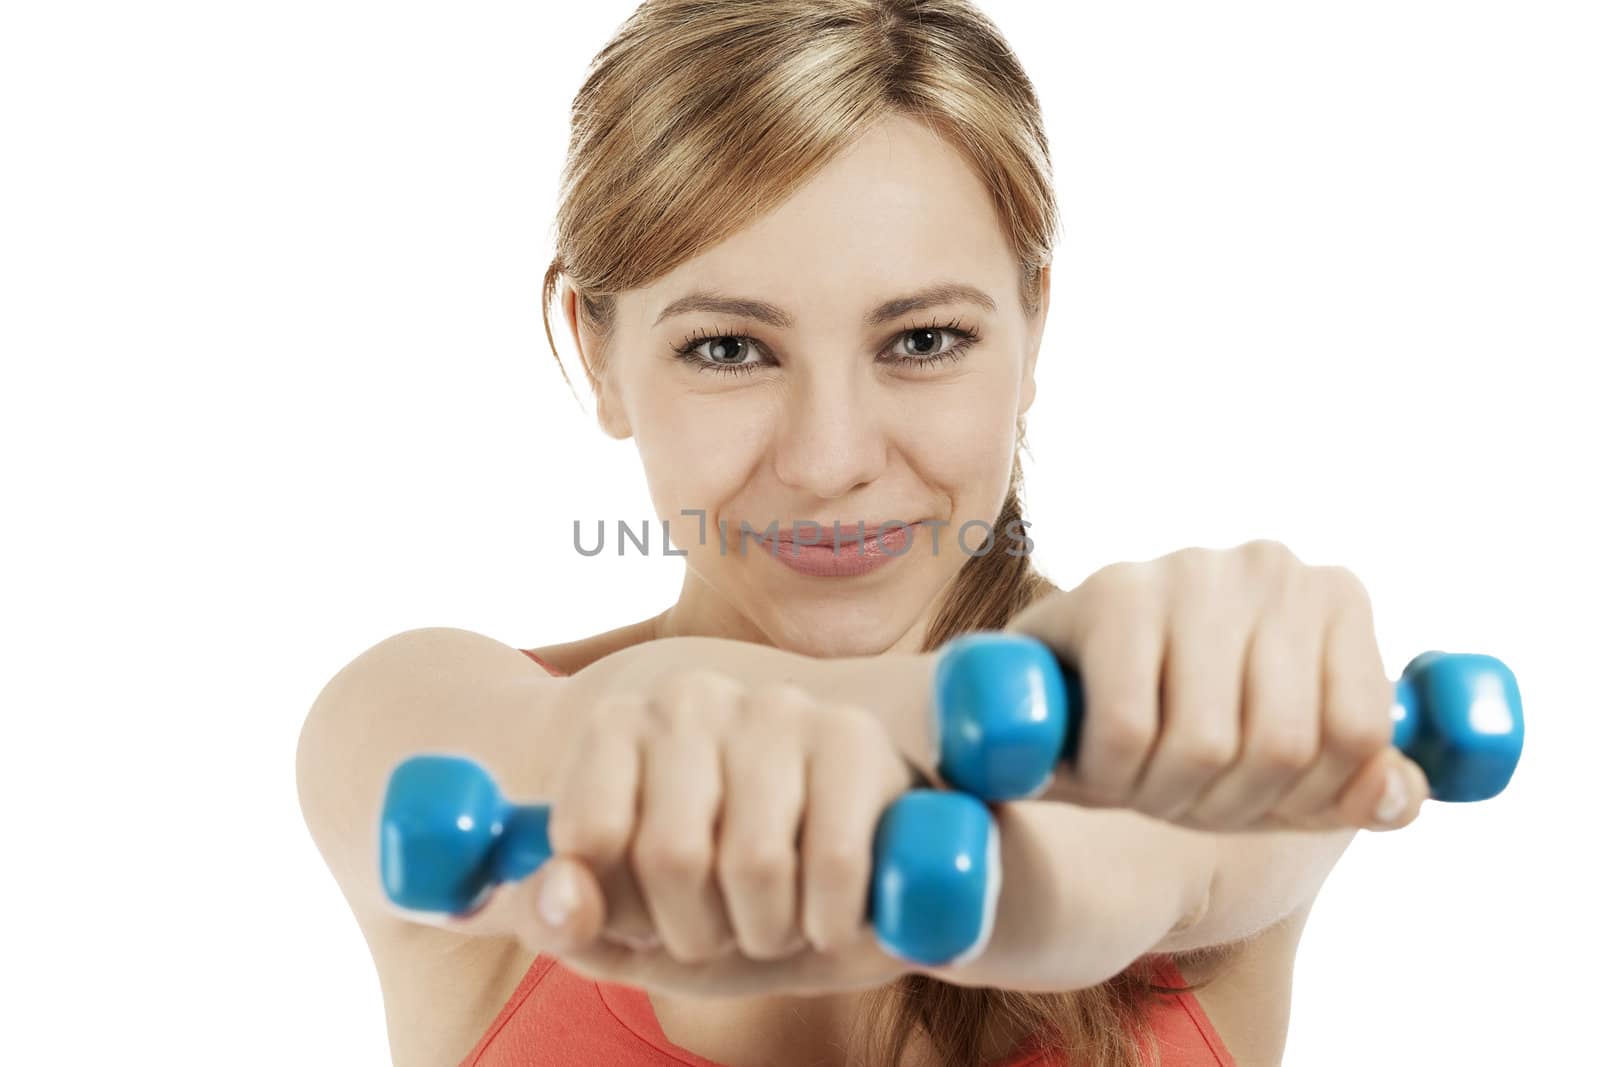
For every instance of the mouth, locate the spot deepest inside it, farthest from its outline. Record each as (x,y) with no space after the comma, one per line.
(854,553)
(823,534)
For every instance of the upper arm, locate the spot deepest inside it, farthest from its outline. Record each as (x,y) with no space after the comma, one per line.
(437,689)
(1260,879)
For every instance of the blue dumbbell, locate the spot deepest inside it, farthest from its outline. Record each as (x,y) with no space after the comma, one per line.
(1005,712)
(447,838)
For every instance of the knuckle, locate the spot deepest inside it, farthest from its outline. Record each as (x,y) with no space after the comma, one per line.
(833,865)
(1121,733)
(616,711)
(1285,751)
(587,833)
(1054,605)
(759,866)
(1207,751)
(1345,585)
(685,694)
(844,735)
(669,858)
(777,696)
(853,726)
(1124,584)
(1267,553)
(1197,561)
(1358,736)
(772,713)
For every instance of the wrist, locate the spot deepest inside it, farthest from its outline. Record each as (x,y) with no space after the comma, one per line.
(898,689)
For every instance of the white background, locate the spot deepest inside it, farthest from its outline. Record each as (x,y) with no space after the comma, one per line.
(275,387)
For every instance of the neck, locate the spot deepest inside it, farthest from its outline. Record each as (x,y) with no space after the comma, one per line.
(701,611)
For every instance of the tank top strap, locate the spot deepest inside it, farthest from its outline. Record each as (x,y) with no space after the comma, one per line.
(546,664)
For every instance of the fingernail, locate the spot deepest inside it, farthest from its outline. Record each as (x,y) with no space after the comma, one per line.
(1393,802)
(558,897)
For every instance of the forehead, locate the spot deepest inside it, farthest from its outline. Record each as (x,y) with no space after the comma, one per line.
(895,211)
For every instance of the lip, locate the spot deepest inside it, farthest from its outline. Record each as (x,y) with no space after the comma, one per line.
(844,558)
(821,533)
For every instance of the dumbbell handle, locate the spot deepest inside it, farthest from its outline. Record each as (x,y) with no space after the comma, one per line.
(446,839)
(1005,711)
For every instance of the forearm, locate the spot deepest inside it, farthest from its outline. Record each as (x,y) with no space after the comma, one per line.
(1085,892)
(448,690)
(1261,878)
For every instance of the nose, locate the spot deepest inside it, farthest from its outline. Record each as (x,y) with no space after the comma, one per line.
(831,439)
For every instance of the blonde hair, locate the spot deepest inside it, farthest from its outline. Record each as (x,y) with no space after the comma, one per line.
(701,116)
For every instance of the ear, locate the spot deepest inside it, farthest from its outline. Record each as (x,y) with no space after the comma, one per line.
(1035,338)
(602,382)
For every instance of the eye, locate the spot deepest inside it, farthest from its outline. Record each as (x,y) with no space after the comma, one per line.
(931,344)
(723,353)
(916,347)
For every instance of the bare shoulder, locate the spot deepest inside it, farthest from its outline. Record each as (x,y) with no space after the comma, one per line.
(443,990)
(1245,989)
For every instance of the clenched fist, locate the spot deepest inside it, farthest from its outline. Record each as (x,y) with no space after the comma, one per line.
(1229,690)
(706,832)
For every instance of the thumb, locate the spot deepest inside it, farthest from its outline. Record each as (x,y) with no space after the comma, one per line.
(560,906)
(1386,793)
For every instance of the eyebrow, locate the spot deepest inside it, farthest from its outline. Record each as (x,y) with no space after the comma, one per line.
(773,315)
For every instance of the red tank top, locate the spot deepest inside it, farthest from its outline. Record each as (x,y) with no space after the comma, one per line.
(556,1018)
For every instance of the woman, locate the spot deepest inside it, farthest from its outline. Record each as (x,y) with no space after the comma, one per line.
(805,251)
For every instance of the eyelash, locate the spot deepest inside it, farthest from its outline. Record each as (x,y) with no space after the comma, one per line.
(965,335)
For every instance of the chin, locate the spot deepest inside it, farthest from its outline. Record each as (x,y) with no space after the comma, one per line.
(833,631)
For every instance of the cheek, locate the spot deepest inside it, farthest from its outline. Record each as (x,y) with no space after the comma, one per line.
(697,450)
(962,439)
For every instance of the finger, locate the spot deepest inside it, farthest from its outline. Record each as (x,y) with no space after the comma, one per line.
(1281,720)
(594,800)
(674,848)
(1386,794)
(1110,631)
(558,908)
(594,805)
(851,777)
(758,851)
(1357,702)
(1200,697)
